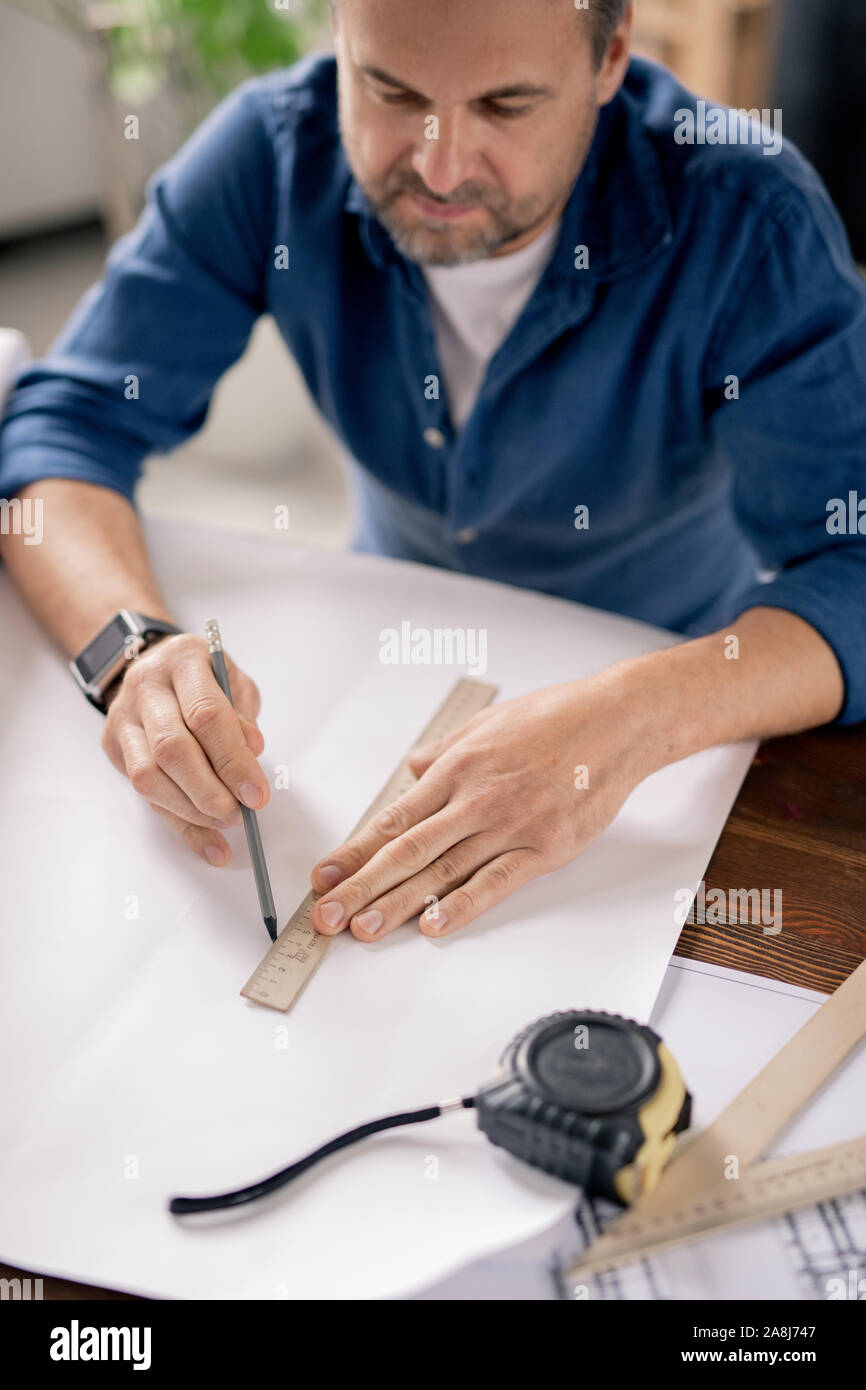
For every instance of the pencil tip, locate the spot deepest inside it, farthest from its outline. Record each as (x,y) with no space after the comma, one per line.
(271,924)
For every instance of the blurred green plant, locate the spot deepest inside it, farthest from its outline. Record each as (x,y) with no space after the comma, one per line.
(200,48)
(178,58)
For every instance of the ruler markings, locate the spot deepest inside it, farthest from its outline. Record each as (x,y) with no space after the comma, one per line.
(765,1190)
(299,949)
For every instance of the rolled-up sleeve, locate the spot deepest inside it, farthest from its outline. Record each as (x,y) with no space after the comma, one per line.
(134,368)
(795,434)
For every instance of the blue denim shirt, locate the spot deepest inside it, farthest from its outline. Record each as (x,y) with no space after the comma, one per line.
(613,391)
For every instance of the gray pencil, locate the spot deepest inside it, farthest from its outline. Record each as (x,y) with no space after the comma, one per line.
(251,825)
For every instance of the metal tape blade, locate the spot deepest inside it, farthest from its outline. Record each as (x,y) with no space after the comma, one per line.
(299,949)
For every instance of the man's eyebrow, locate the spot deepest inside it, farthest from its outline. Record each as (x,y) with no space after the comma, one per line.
(517,89)
(386,77)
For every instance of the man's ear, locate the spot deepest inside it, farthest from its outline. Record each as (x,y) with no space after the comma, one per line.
(615,61)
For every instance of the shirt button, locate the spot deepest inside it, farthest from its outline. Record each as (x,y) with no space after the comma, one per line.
(466,536)
(435,438)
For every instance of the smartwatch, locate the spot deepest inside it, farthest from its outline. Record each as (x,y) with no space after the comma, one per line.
(104,660)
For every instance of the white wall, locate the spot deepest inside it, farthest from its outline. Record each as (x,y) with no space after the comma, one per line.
(49,166)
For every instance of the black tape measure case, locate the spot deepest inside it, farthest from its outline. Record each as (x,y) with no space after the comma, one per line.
(593,1098)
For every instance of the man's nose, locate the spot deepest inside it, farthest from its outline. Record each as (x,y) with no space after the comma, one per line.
(449,158)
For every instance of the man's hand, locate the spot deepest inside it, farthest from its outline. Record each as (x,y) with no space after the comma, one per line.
(169,727)
(173,733)
(498,803)
(525,786)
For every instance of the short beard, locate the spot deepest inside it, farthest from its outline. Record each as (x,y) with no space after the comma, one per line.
(450,246)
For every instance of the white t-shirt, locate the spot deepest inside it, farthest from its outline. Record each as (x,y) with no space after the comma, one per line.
(475,307)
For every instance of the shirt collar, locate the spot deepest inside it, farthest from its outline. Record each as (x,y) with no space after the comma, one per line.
(618,207)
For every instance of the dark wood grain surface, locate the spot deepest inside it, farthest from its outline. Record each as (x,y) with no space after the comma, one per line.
(799,828)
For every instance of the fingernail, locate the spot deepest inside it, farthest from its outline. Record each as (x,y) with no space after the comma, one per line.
(332,914)
(329,876)
(369,922)
(234,819)
(251,795)
(435,923)
(214,854)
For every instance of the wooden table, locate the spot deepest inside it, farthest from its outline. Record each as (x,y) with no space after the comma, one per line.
(798,825)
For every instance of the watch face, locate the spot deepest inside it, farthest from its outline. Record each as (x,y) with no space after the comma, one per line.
(106,645)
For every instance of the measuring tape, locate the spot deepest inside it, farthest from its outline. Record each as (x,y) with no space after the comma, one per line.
(598,1100)
(593,1098)
(299,949)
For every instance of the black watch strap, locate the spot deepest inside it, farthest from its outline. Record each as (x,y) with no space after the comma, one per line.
(102,664)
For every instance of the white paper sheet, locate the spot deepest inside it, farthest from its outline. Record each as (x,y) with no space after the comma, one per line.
(137,1070)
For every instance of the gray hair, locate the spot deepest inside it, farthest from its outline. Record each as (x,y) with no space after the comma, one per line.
(605,16)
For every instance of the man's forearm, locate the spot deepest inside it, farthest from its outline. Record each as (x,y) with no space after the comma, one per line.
(92,561)
(767,674)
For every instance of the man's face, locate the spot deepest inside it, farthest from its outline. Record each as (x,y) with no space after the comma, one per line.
(466,122)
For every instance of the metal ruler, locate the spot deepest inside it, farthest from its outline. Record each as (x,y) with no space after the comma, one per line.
(693,1198)
(281,974)
(765,1190)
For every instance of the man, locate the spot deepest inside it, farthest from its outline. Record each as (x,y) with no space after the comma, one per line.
(568,349)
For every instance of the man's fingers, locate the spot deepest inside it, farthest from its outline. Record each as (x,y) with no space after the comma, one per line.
(488,886)
(185,749)
(207,844)
(419,803)
(111,747)
(393,864)
(422,757)
(150,781)
(254,737)
(246,696)
(174,750)
(214,724)
(423,891)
